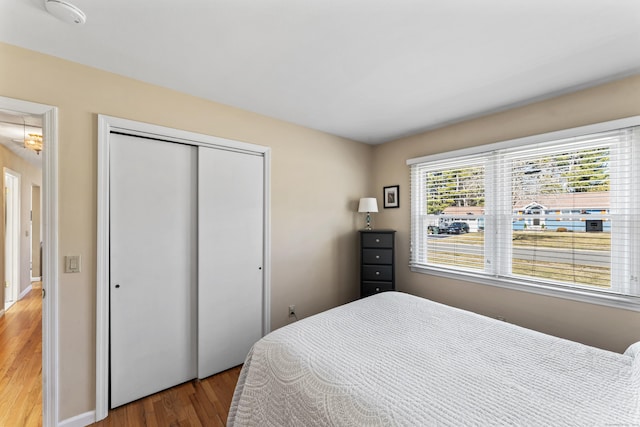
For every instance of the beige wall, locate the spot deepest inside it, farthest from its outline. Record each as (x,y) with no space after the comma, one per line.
(29,175)
(316,182)
(600,326)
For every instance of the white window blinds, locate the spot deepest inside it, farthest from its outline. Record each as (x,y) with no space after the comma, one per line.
(561,213)
(449,214)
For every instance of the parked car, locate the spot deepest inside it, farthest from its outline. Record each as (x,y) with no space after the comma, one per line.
(458,228)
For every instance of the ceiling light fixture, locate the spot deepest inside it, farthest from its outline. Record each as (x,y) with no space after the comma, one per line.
(33,142)
(65,12)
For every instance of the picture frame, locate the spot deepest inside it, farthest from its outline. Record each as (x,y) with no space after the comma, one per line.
(391,196)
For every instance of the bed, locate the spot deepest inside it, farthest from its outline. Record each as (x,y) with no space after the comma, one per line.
(396,359)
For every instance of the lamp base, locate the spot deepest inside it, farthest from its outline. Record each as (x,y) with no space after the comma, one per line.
(368,227)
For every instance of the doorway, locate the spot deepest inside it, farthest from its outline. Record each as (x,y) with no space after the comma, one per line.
(12,237)
(48,116)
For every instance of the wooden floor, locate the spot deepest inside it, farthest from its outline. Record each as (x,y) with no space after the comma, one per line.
(195,403)
(21,362)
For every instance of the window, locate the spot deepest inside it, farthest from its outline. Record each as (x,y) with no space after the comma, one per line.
(555,213)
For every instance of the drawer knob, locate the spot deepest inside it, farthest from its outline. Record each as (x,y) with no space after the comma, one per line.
(377,240)
(377,289)
(377,256)
(377,273)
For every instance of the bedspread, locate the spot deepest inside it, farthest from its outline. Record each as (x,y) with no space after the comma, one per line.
(397,359)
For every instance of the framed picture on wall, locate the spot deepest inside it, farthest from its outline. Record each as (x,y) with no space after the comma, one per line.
(391,196)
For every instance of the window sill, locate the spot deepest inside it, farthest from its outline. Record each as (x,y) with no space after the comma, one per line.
(575,294)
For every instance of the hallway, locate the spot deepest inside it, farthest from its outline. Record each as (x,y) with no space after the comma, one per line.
(21,362)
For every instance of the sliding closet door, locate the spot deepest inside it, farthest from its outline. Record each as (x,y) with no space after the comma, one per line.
(230,290)
(153,276)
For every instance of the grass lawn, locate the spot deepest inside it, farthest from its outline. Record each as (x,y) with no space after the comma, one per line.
(547,239)
(558,271)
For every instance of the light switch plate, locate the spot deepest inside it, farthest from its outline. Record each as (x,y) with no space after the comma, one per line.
(72,264)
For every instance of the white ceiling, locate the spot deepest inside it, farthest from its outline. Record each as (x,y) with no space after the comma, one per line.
(369,70)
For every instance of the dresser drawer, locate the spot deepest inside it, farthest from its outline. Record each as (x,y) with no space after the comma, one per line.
(377,240)
(377,272)
(377,256)
(370,288)
(377,259)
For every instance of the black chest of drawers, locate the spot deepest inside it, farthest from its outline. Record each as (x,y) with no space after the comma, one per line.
(377,261)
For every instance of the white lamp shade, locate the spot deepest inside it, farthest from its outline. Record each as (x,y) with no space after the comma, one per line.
(368,204)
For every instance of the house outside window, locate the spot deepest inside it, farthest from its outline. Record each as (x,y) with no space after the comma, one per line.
(556,213)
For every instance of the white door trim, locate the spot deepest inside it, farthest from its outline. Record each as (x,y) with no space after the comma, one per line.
(31,236)
(49,251)
(106,125)
(12,226)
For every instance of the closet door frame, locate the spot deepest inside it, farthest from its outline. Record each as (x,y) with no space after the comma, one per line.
(107,125)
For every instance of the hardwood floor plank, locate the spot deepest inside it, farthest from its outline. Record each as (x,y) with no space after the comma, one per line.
(149,414)
(21,362)
(162,416)
(204,408)
(197,403)
(188,412)
(117,417)
(213,397)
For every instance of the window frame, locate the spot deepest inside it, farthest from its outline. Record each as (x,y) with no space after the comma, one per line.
(522,283)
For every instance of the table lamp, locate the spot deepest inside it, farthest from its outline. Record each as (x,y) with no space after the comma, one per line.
(368,205)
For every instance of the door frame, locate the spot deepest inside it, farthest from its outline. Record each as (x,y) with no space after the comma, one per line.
(106,125)
(50,398)
(12,201)
(31,235)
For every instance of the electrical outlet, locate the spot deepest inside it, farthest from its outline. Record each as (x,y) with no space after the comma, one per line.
(292,310)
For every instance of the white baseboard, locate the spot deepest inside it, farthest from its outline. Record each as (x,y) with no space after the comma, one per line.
(81,420)
(25,292)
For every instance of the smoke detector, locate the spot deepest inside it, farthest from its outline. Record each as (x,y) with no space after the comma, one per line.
(65,12)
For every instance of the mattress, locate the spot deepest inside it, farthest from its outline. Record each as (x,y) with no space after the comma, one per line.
(398,360)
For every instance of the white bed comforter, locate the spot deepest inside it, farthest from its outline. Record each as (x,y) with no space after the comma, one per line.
(396,359)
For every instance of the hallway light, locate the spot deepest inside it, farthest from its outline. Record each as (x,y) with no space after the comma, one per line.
(33,142)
